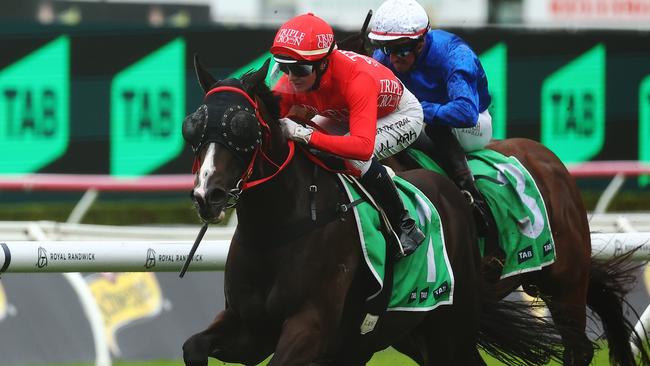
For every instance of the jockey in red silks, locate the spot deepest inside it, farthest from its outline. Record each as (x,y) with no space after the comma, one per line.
(364,110)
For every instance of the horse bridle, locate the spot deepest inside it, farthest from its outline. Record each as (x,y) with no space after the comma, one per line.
(254,149)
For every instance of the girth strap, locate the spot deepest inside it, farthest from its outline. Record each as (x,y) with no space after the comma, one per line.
(313,189)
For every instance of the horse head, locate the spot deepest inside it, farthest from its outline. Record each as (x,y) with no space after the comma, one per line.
(226,133)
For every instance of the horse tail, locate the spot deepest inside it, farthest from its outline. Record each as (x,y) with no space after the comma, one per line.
(610,281)
(512,335)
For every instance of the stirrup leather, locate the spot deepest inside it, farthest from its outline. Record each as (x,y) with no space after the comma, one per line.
(479,212)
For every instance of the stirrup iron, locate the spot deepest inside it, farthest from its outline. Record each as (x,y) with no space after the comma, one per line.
(468,196)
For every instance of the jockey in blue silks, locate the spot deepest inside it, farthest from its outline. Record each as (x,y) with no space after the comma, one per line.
(446,76)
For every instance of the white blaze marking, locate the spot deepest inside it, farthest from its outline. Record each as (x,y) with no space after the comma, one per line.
(207,169)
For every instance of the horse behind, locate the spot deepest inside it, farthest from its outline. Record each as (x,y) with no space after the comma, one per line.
(295,287)
(574,281)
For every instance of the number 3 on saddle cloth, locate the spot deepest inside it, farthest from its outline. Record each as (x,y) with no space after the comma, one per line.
(516,203)
(421,281)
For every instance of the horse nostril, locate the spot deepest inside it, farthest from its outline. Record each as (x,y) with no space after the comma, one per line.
(217,196)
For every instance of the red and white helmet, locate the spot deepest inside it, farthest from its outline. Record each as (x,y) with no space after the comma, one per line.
(397,19)
(303,38)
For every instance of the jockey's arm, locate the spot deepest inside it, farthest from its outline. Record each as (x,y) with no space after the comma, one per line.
(361,96)
(461,110)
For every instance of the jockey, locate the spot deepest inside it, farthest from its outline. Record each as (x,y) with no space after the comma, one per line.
(447,77)
(364,112)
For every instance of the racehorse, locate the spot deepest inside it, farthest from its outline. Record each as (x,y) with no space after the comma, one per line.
(294,286)
(574,281)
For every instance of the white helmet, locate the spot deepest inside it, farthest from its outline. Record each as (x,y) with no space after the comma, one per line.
(397,19)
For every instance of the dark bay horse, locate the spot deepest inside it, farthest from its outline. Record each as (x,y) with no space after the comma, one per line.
(295,288)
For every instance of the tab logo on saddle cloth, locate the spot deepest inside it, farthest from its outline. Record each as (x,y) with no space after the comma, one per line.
(548,248)
(423,294)
(525,254)
(441,290)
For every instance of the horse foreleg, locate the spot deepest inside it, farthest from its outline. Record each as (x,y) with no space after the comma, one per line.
(302,338)
(227,340)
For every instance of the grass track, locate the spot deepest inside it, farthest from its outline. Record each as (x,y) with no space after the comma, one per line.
(388,357)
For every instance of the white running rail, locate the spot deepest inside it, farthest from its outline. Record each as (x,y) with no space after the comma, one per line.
(169,256)
(109,256)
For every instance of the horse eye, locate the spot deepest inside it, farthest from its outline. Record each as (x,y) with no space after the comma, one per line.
(244,124)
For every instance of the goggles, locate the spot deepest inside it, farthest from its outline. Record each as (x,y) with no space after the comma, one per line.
(299,70)
(402,50)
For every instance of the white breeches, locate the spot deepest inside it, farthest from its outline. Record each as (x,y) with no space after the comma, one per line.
(395,131)
(475,138)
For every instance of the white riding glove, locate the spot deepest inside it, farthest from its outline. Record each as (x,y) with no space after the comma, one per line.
(295,131)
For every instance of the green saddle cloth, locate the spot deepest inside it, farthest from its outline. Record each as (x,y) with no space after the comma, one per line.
(423,280)
(517,205)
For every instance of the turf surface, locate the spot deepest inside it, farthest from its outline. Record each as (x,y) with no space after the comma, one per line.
(387,357)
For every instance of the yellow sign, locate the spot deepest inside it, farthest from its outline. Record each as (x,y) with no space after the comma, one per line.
(3,303)
(124,298)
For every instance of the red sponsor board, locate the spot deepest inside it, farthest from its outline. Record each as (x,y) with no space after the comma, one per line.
(600,8)
(617,13)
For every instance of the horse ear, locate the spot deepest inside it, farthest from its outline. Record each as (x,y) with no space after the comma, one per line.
(205,79)
(259,76)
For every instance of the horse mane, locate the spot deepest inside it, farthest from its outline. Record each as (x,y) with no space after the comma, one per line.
(256,86)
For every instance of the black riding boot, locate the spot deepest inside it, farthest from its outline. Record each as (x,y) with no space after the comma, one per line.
(382,188)
(451,157)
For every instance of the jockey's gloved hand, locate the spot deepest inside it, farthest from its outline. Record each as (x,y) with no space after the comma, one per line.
(295,131)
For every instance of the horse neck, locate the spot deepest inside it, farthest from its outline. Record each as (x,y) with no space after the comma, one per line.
(283,199)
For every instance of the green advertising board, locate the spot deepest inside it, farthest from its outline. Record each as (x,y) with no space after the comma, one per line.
(495,64)
(119,97)
(35,108)
(147,105)
(644,126)
(573,107)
